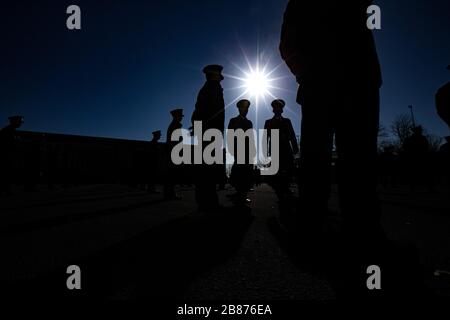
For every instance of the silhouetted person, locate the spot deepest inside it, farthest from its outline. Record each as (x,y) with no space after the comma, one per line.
(443,102)
(444,160)
(210,110)
(223,175)
(331,52)
(172,175)
(416,151)
(287,148)
(152,166)
(388,167)
(242,174)
(8,147)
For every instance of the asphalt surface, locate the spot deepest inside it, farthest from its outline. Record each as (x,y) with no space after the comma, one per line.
(130,244)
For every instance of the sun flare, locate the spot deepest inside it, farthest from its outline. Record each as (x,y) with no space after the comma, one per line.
(257,83)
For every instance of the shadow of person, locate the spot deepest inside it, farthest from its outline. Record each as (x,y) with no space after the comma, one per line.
(344,264)
(157,264)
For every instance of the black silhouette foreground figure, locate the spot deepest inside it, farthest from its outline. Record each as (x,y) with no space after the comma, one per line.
(210,110)
(172,169)
(152,168)
(287,148)
(242,174)
(8,145)
(443,102)
(416,149)
(332,54)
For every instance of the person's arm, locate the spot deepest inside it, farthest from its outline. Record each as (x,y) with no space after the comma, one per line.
(267,137)
(290,37)
(292,137)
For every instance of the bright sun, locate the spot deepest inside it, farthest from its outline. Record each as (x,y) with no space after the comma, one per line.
(257,83)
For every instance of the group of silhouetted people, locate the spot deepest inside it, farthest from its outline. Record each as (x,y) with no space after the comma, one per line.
(331,54)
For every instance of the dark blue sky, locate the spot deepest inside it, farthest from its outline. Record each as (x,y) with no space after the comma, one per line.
(133,61)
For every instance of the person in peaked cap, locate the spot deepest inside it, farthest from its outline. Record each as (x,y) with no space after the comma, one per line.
(8,145)
(16,121)
(242,173)
(288,147)
(443,102)
(416,156)
(339,77)
(210,111)
(173,170)
(213,70)
(153,157)
(156,136)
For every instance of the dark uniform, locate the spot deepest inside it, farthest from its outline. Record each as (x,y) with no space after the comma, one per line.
(287,149)
(8,145)
(172,169)
(242,174)
(416,154)
(444,161)
(152,168)
(331,52)
(443,102)
(210,110)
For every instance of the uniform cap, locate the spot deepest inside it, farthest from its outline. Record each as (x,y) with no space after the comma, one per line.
(176,112)
(278,103)
(213,69)
(243,104)
(16,118)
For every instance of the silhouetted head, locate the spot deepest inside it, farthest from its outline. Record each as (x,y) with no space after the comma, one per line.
(417,130)
(213,72)
(177,114)
(16,121)
(156,135)
(447,138)
(278,106)
(448,67)
(243,106)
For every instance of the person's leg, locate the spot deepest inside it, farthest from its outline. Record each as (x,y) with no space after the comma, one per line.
(356,140)
(315,155)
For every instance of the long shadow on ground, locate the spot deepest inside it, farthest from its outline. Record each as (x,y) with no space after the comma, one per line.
(343,262)
(159,263)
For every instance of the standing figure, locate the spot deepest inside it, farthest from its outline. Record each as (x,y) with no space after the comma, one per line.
(444,161)
(152,167)
(210,110)
(242,174)
(8,146)
(287,147)
(416,152)
(172,169)
(443,102)
(331,52)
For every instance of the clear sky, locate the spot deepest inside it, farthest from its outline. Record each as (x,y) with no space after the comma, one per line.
(135,60)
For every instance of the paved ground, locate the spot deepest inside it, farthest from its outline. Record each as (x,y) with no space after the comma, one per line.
(130,244)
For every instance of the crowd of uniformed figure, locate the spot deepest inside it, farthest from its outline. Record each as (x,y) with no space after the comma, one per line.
(413,164)
(340,104)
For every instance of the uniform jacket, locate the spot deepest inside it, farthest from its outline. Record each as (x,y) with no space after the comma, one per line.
(210,107)
(327,42)
(240,122)
(288,140)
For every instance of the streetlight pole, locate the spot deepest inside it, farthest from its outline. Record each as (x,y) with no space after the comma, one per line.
(412,116)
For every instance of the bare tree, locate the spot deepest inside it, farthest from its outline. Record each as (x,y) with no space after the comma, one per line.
(401,128)
(384,138)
